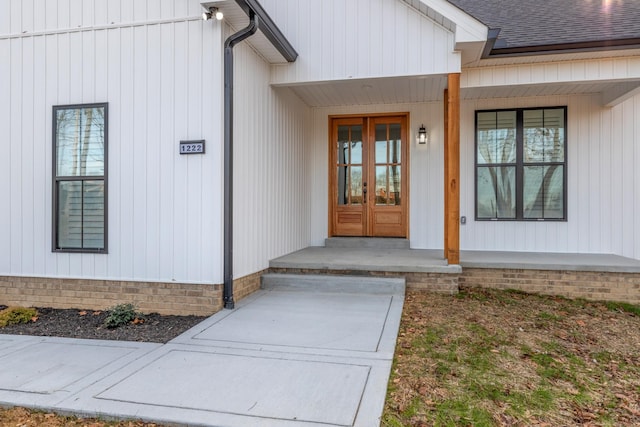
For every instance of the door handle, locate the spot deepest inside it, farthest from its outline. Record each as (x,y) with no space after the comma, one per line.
(364,191)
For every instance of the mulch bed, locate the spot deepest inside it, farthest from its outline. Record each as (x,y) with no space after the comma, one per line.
(89,324)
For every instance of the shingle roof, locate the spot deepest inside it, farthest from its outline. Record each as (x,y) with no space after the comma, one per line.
(528,23)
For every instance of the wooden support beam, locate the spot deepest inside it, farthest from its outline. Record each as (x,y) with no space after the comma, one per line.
(446,173)
(452,167)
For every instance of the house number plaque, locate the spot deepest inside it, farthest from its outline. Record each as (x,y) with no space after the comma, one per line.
(192,147)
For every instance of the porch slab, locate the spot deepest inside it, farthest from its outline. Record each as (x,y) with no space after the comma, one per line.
(431,260)
(366,259)
(607,263)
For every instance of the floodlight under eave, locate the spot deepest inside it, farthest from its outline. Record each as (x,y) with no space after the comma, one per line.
(212,12)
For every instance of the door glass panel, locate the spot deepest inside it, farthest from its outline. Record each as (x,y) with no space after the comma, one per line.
(343,152)
(394,185)
(343,185)
(382,190)
(381,152)
(395,155)
(395,141)
(356,152)
(356,185)
(356,144)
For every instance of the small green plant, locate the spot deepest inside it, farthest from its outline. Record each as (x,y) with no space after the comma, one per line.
(120,314)
(16,315)
(624,307)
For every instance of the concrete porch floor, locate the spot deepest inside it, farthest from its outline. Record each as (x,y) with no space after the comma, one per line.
(432,261)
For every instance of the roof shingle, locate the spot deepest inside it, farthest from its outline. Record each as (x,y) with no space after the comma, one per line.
(554,22)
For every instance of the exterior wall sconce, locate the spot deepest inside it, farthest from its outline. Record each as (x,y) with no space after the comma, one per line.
(212,12)
(423,137)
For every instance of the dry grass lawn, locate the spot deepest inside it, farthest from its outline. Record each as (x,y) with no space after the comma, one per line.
(496,358)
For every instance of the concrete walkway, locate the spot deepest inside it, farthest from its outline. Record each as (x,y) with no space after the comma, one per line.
(290,356)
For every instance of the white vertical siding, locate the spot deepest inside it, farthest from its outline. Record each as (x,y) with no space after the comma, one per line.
(603,193)
(165,210)
(271,197)
(33,16)
(339,40)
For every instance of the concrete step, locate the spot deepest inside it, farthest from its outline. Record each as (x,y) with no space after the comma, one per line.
(334,283)
(367,242)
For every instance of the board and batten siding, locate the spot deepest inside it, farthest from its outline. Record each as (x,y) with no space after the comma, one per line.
(343,40)
(603,194)
(164,210)
(271,194)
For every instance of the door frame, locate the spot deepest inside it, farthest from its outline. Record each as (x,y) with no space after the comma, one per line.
(332,158)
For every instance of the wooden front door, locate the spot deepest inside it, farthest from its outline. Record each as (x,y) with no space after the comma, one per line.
(368,176)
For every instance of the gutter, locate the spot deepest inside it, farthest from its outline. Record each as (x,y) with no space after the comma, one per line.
(231,41)
(258,20)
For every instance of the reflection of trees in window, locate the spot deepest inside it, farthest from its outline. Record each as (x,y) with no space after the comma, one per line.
(520,164)
(79,192)
(349,163)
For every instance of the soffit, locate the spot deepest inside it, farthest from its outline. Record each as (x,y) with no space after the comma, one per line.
(419,89)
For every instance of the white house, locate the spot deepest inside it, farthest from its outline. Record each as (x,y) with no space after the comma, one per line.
(114,169)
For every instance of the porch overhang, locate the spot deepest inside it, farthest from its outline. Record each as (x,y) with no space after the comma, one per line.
(268,40)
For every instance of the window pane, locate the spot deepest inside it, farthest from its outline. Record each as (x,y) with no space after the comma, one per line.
(80,141)
(356,144)
(394,185)
(356,152)
(343,185)
(93,215)
(543,192)
(543,135)
(382,190)
(496,192)
(70,214)
(381,144)
(343,144)
(356,185)
(496,137)
(394,143)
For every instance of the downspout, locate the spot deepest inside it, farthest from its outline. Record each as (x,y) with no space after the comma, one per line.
(231,41)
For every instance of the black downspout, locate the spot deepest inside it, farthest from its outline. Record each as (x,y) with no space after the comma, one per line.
(231,41)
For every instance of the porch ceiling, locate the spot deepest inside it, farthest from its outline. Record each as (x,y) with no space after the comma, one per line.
(393,90)
(416,89)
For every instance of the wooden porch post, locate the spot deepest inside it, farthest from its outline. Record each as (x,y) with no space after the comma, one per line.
(446,173)
(452,169)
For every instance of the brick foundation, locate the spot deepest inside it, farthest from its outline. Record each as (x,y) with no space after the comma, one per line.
(245,286)
(204,300)
(605,286)
(149,297)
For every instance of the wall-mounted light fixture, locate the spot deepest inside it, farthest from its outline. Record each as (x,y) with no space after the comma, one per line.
(211,13)
(423,137)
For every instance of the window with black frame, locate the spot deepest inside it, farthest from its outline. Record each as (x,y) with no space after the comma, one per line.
(79,169)
(521,170)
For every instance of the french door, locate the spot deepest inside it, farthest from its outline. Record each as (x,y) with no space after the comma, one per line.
(368,176)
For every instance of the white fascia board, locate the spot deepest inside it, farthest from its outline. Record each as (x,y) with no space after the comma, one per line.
(469,33)
(468,29)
